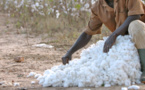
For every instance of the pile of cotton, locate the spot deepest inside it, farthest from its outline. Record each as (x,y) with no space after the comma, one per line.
(120,66)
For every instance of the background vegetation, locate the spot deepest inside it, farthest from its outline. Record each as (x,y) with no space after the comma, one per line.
(62,21)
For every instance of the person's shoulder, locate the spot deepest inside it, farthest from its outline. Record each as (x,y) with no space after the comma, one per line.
(96,5)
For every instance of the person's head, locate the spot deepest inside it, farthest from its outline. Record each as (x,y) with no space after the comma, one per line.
(109,0)
(110,3)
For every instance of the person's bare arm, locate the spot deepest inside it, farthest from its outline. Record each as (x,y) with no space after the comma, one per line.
(120,31)
(81,42)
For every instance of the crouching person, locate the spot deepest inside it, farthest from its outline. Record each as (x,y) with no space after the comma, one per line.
(120,17)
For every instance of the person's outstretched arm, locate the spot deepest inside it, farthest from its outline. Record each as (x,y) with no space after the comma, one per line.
(81,42)
(120,31)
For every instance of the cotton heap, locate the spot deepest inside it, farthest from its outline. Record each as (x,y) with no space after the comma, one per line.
(120,66)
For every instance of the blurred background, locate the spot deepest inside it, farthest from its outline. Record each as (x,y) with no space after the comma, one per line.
(62,21)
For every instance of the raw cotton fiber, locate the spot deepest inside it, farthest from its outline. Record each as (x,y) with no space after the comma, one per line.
(120,66)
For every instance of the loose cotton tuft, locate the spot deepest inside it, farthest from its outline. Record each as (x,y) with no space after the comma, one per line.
(120,66)
(31,74)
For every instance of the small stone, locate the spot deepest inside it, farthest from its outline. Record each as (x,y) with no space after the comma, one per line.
(12,81)
(1,83)
(19,59)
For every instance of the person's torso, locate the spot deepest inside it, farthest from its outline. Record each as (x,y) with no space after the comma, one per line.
(113,17)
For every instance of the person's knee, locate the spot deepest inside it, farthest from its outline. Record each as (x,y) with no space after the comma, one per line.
(135,26)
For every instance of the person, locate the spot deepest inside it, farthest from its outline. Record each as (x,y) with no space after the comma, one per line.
(120,17)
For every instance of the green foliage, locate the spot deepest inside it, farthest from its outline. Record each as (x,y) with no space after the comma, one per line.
(18,24)
(51,0)
(75,0)
(78,6)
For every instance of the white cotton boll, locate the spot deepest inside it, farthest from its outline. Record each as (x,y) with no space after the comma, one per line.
(80,85)
(134,87)
(107,85)
(138,82)
(74,9)
(92,1)
(71,62)
(41,81)
(37,75)
(46,5)
(15,2)
(61,67)
(106,78)
(113,84)
(65,84)
(133,83)
(127,82)
(16,84)
(119,66)
(124,88)
(127,58)
(87,5)
(56,83)
(137,75)
(31,74)
(46,72)
(50,71)
(37,4)
(46,82)
(40,77)
(33,82)
(41,7)
(98,83)
(103,64)
(57,14)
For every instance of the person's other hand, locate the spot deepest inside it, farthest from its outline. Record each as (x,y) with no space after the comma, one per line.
(66,58)
(109,42)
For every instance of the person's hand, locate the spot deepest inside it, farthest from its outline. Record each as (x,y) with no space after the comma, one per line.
(66,58)
(109,42)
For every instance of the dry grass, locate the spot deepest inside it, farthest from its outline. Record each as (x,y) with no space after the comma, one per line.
(62,31)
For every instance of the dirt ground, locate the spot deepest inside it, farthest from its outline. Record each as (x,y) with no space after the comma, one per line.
(13,44)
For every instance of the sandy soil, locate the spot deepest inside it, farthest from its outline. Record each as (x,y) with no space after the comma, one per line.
(13,44)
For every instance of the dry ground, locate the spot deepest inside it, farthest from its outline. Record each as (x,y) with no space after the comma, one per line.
(13,44)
